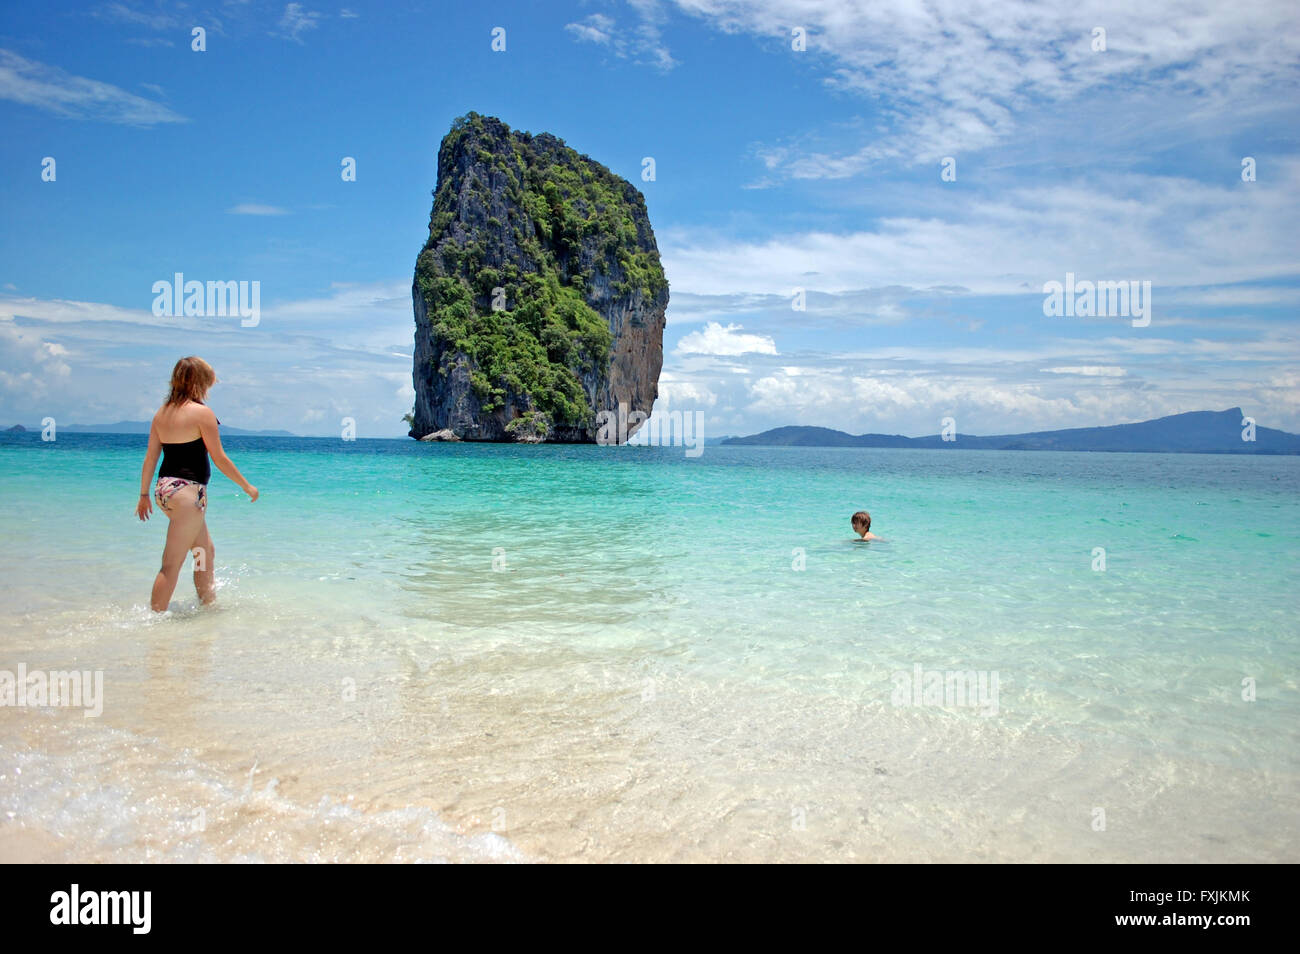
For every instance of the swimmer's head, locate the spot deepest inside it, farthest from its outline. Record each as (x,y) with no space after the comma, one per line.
(861,522)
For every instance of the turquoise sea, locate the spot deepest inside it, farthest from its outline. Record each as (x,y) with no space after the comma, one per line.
(478,652)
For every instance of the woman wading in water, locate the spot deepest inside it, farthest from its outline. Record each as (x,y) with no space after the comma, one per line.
(184,432)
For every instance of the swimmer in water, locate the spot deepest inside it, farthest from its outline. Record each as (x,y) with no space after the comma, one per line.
(862,526)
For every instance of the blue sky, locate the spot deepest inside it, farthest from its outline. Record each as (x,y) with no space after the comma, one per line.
(776,169)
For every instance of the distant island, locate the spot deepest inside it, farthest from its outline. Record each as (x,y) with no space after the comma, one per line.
(141,427)
(1195,432)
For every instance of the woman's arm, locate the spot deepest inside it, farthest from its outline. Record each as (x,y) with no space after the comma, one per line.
(143,505)
(212,441)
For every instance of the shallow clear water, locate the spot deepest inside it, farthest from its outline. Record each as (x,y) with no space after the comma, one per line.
(452,652)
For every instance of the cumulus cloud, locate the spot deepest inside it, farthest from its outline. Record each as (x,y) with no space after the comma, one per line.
(714,338)
(678,391)
(31,367)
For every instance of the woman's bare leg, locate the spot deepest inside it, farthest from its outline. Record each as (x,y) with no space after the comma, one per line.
(184,522)
(205,582)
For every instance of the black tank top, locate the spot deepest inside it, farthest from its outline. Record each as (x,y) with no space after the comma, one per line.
(188,461)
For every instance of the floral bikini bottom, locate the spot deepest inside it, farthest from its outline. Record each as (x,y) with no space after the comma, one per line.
(167,487)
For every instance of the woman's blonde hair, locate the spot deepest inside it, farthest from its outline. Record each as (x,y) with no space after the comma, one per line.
(191,379)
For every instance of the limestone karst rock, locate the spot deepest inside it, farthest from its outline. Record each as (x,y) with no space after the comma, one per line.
(539,295)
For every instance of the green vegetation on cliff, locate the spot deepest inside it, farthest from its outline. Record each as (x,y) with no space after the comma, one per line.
(567,218)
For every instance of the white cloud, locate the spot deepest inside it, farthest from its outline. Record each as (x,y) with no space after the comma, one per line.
(642,42)
(252,208)
(1235,296)
(1170,231)
(120,12)
(305,366)
(1089,371)
(31,367)
(713,338)
(76,97)
(297,20)
(677,391)
(597,28)
(915,404)
(950,77)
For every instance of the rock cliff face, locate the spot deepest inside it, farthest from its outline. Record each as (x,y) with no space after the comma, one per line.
(539,296)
